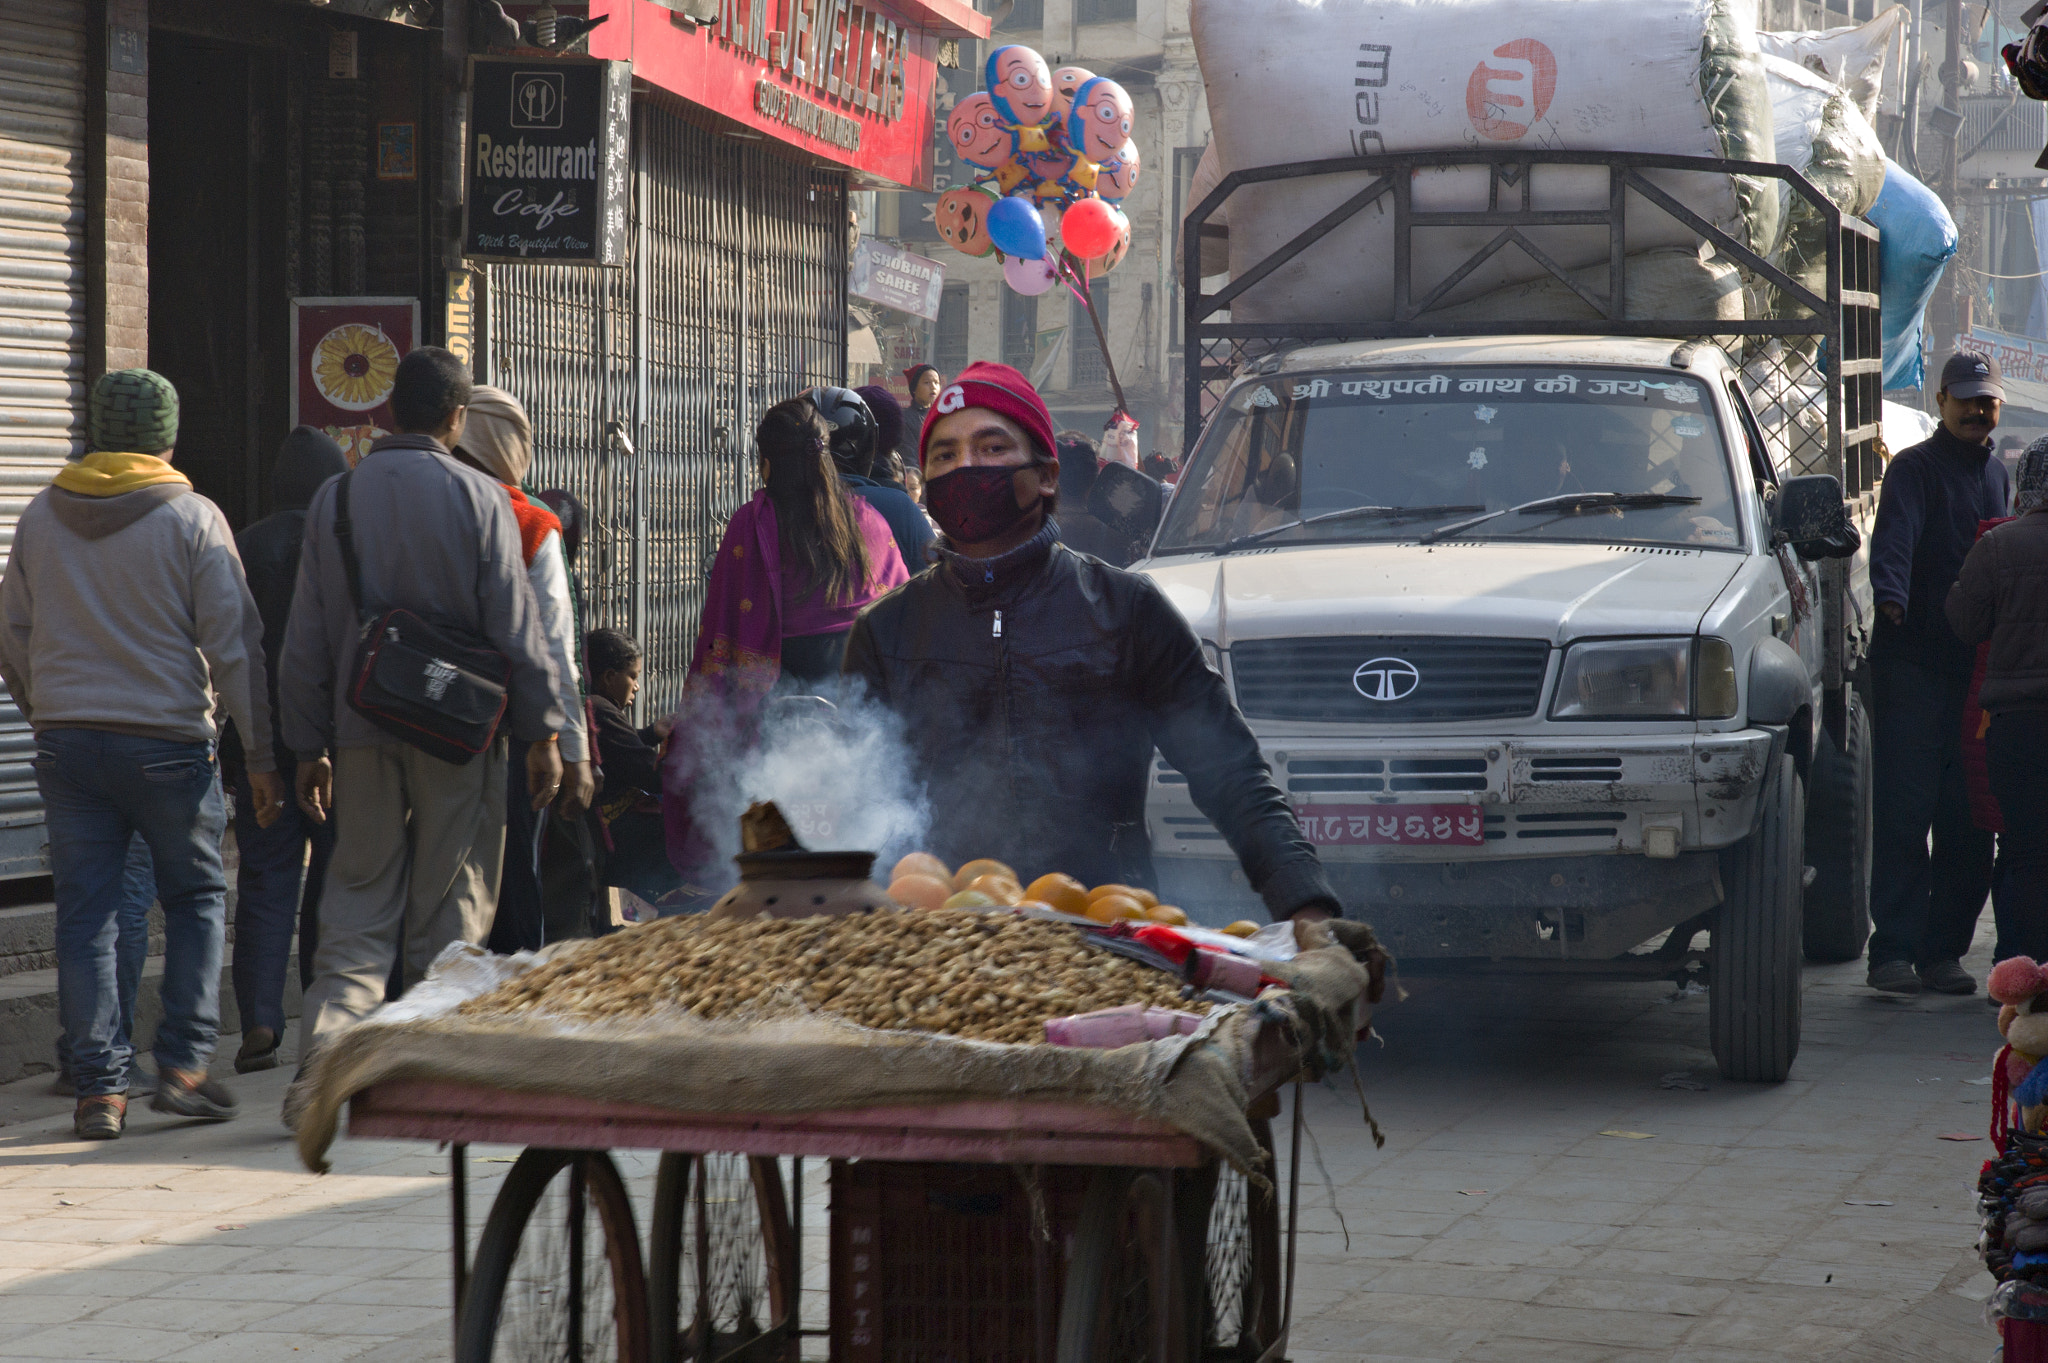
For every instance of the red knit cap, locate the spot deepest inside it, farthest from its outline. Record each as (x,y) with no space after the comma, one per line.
(1001,390)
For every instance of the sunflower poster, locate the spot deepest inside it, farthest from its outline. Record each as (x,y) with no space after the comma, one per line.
(345,359)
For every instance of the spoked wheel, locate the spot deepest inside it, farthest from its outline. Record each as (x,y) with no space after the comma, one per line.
(1125,1298)
(723,1286)
(557,1274)
(1230,1243)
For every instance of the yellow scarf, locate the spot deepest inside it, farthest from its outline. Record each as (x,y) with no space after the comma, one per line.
(105,474)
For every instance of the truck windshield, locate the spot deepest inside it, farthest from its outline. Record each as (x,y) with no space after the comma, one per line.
(1429,447)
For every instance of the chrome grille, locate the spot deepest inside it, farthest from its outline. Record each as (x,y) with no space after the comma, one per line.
(1575,769)
(1312,679)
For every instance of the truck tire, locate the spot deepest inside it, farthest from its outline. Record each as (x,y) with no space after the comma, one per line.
(1838,834)
(1753,1002)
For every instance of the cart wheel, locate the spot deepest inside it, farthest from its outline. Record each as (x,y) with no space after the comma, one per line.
(1123,1265)
(1230,1243)
(724,1282)
(557,1272)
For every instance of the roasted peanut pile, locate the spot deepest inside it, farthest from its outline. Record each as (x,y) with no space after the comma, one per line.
(989,977)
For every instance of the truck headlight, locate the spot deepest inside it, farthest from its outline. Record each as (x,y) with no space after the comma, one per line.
(1714,681)
(1625,679)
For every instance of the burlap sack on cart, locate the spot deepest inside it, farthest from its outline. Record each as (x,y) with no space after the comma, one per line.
(806,1062)
(1303,80)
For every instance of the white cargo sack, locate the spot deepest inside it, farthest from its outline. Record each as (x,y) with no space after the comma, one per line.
(1853,58)
(1298,80)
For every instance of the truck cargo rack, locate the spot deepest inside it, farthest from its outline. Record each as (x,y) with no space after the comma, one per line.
(1792,335)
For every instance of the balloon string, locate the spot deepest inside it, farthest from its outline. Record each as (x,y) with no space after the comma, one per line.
(1080,288)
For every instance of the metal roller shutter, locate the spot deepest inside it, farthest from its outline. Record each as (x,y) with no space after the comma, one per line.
(42,318)
(731,300)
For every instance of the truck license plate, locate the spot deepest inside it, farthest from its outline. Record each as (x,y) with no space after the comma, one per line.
(1401,825)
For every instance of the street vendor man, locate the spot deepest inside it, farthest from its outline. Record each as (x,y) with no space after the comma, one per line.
(1034,682)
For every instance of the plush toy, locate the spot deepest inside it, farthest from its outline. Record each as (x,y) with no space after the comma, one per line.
(2021,986)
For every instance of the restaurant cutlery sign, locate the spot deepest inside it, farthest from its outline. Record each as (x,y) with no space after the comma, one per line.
(547,160)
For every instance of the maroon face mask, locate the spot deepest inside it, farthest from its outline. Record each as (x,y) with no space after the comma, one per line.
(975,504)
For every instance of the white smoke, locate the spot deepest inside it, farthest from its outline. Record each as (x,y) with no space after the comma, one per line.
(842,778)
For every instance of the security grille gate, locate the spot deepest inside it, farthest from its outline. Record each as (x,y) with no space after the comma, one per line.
(42,320)
(732,299)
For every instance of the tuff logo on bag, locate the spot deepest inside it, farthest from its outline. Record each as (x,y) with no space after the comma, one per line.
(1504,102)
(440,676)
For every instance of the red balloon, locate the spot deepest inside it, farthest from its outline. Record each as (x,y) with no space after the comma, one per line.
(1089,228)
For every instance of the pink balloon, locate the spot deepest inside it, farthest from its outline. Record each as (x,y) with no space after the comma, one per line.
(1089,228)
(1030,277)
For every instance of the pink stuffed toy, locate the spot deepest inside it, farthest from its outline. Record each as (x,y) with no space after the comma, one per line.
(2021,986)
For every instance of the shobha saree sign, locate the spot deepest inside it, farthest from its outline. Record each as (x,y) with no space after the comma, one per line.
(345,354)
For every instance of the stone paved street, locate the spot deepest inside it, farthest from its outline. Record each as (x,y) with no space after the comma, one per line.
(1499,1223)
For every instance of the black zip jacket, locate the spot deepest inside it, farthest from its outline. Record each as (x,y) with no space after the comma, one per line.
(1035,687)
(1934,493)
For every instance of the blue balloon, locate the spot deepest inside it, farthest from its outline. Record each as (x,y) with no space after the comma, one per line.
(1016,229)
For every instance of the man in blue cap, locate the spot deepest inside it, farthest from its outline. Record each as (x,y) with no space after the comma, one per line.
(1924,909)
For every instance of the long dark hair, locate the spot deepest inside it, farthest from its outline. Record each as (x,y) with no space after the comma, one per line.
(816,527)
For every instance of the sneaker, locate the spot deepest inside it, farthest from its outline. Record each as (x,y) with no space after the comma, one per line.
(189,1093)
(259,1051)
(1894,977)
(1947,977)
(100,1119)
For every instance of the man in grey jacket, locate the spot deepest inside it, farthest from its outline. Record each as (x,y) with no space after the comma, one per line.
(419,841)
(128,622)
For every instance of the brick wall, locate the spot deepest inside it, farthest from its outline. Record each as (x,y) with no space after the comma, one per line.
(117,206)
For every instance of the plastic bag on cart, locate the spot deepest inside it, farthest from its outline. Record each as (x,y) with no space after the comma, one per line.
(1853,58)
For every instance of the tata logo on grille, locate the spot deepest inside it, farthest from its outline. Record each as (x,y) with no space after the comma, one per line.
(1386,679)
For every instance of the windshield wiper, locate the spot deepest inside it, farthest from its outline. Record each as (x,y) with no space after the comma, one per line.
(1569,501)
(1379,513)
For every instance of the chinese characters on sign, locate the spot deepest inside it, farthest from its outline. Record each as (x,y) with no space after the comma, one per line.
(547,160)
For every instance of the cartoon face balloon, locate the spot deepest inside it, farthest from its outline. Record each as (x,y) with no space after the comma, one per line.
(977,133)
(1118,174)
(1020,83)
(1065,82)
(962,218)
(1115,255)
(1101,120)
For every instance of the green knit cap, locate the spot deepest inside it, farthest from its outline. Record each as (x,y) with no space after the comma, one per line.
(132,411)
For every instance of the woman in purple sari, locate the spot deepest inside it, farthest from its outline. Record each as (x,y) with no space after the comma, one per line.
(797,564)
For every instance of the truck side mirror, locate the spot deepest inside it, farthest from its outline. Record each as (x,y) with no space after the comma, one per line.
(1812,518)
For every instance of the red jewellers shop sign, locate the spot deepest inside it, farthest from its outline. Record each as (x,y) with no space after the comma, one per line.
(849,81)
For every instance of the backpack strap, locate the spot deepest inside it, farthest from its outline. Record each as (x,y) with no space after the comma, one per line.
(345,536)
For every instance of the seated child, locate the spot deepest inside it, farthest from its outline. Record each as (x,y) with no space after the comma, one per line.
(630,802)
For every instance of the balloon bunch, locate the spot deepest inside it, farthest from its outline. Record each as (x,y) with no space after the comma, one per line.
(1054,158)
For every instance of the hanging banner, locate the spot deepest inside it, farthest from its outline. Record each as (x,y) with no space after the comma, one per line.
(895,278)
(2022,364)
(345,354)
(547,154)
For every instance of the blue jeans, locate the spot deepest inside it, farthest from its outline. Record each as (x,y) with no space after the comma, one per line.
(99,790)
(131,944)
(276,889)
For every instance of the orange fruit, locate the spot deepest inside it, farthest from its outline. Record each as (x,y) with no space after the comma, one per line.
(1100,890)
(1168,914)
(922,864)
(1243,927)
(1110,907)
(975,870)
(1000,888)
(970,899)
(1063,892)
(920,891)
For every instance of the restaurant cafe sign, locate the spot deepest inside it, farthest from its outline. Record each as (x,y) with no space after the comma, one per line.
(849,81)
(547,153)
